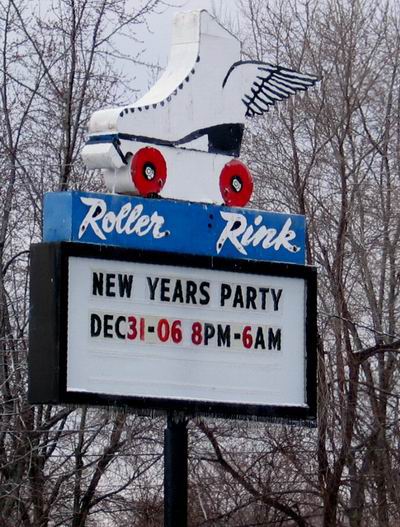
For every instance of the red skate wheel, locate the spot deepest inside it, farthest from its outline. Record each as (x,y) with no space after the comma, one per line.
(236,184)
(148,171)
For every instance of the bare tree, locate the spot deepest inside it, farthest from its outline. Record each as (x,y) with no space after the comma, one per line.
(58,466)
(333,156)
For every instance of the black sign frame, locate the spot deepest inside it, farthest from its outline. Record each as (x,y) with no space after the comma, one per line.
(47,360)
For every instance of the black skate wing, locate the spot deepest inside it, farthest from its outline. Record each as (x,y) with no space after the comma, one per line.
(268,84)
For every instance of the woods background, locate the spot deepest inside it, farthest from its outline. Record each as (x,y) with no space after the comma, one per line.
(333,155)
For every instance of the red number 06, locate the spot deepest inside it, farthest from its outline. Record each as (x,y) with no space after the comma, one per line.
(165,331)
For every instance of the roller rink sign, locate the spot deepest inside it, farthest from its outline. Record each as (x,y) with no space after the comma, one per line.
(166,294)
(174,226)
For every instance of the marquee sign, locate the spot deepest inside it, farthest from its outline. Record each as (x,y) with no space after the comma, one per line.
(160,331)
(174,226)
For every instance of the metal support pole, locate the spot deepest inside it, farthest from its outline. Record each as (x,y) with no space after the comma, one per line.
(175,472)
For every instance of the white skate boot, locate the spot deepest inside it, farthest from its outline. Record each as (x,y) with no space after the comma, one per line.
(182,138)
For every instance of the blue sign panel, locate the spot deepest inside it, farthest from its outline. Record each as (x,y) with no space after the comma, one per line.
(174,226)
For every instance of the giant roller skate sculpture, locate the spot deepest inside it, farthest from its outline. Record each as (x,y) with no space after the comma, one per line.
(182,139)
